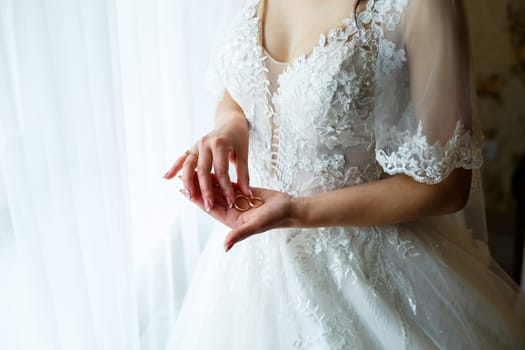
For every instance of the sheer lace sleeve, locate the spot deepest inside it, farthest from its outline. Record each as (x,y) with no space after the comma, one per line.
(213,79)
(223,33)
(425,124)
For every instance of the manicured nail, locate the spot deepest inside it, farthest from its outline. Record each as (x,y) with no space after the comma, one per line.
(187,193)
(166,175)
(207,205)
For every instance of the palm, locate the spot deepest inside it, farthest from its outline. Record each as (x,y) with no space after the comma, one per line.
(272,214)
(274,207)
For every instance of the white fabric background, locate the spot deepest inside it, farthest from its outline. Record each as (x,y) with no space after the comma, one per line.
(97,99)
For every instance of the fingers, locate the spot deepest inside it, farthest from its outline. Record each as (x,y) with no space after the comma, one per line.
(213,151)
(240,233)
(219,211)
(177,166)
(188,170)
(243,178)
(204,176)
(217,190)
(220,167)
(219,200)
(220,208)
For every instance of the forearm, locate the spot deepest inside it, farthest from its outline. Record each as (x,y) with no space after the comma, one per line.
(229,113)
(392,200)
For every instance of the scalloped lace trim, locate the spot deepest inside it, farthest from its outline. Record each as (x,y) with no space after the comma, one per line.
(431,163)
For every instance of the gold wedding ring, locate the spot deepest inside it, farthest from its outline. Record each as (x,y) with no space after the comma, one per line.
(244,203)
(188,153)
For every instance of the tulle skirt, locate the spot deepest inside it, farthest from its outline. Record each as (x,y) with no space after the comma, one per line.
(421,285)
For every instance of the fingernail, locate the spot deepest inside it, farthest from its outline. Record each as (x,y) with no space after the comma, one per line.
(228,247)
(165,175)
(207,205)
(230,203)
(187,193)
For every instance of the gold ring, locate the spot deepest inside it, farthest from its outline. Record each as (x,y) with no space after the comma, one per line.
(256,202)
(188,153)
(244,203)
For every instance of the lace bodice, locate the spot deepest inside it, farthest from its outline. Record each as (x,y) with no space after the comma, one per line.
(322,129)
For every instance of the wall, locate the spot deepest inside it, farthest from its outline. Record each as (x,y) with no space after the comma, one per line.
(498,48)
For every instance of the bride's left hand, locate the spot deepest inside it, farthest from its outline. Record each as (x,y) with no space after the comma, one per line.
(273,213)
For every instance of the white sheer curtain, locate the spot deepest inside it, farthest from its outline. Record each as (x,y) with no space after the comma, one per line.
(97,98)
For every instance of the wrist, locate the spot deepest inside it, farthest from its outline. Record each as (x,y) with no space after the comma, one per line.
(298,212)
(231,119)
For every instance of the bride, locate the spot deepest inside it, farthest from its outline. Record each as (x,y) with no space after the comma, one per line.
(356,219)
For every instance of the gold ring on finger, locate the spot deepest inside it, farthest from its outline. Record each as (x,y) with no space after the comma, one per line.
(189,153)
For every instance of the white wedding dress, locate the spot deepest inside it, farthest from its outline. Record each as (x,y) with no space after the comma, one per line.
(388,92)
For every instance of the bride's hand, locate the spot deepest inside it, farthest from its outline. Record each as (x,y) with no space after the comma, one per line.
(227,143)
(275,212)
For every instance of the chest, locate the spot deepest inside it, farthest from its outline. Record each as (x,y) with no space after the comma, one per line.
(291,28)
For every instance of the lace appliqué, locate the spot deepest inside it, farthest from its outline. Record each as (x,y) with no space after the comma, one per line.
(428,163)
(343,258)
(391,57)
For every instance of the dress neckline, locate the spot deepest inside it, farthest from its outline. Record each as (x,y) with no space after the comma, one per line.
(345,33)
(347,25)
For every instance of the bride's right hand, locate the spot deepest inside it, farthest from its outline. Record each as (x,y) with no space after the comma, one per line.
(228,142)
